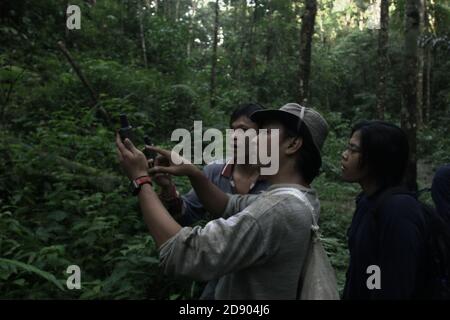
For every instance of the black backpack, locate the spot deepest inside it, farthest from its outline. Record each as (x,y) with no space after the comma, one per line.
(437,245)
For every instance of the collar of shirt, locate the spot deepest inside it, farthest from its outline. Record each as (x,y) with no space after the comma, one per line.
(227,172)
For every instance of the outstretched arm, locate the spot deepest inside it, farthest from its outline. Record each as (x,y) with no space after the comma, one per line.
(213,199)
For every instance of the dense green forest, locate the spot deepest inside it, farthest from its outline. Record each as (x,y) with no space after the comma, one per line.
(63,198)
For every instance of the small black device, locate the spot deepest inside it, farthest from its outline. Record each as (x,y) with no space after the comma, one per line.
(150,154)
(126,130)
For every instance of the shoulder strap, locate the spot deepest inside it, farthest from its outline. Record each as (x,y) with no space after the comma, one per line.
(302,197)
(314,228)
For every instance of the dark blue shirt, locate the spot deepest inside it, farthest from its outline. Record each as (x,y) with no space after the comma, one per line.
(440,191)
(395,242)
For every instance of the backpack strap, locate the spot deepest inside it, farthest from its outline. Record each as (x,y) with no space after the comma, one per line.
(314,228)
(300,196)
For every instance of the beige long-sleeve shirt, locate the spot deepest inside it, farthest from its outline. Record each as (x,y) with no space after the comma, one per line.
(257,249)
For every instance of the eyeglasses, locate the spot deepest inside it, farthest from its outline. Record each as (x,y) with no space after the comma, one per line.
(353,148)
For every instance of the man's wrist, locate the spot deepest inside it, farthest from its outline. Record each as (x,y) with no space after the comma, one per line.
(147,187)
(137,184)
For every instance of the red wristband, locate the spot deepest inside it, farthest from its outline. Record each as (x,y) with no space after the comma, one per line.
(136,184)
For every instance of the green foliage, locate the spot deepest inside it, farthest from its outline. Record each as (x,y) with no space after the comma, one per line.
(11,266)
(61,205)
(63,198)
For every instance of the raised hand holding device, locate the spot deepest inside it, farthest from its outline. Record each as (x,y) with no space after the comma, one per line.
(126,130)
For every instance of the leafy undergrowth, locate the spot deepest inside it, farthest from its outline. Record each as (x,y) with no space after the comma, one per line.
(65,202)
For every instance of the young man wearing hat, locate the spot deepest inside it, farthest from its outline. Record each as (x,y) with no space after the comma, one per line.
(258,243)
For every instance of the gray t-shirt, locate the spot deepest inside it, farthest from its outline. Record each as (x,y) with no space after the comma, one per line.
(256,250)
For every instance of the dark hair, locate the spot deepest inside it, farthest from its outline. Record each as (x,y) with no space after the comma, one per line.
(384,151)
(245,109)
(309,159)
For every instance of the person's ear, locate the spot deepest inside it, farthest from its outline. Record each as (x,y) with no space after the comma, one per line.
(294,145)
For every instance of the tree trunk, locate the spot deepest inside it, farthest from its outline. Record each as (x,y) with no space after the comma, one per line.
(271,38)
(252,51)
(420,67)
(242,33)
(80,74)
(191,28)
(409,108)
(123,11)
(166,9)
(427,83)
(306,34)
(66,30)
(157,5)
(177,10)
(383,38)
(100,111)
(142,34)
(427,73)
(214,57)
